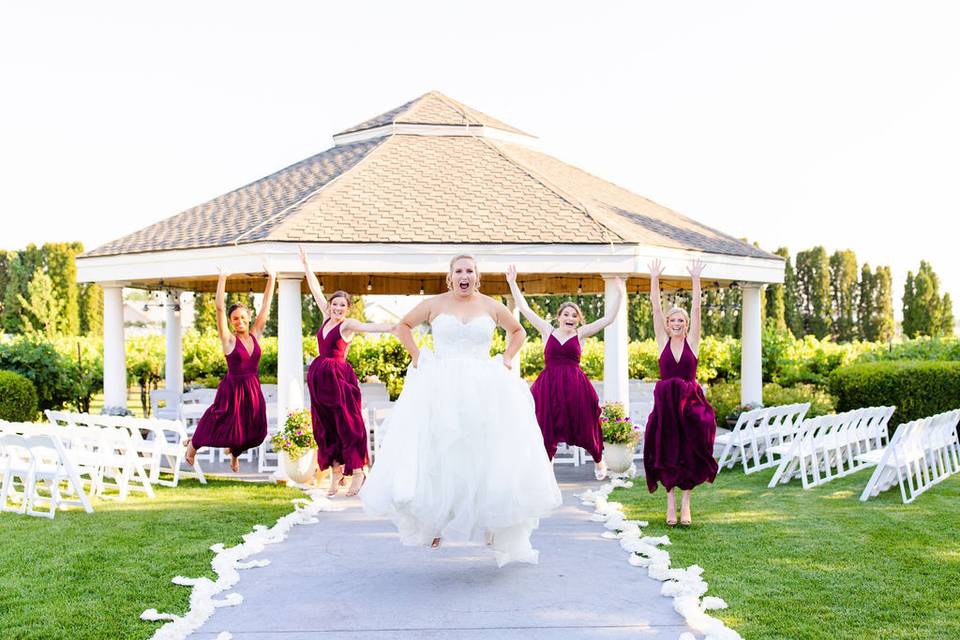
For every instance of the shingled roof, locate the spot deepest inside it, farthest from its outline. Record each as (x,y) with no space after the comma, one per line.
(460,188)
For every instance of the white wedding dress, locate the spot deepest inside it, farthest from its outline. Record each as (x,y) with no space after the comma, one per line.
(463,456)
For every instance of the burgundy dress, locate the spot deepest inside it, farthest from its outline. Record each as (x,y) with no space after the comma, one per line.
(237,419)
(678,441)
(568,408)
(338,425)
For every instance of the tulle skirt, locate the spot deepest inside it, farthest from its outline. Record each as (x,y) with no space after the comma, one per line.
(463,457)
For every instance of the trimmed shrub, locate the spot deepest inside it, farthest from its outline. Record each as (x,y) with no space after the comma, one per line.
(916,388)
(53,376)
(18,398)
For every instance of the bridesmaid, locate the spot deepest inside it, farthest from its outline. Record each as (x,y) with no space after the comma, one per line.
(568,409)
(335,402)
(678,442)
(237,419)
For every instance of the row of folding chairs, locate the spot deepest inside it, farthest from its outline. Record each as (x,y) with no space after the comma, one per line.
(831,446)
(759,435)
(36,470)
(133,451)
(921,454)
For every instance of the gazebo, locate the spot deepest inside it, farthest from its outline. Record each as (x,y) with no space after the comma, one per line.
(384,209)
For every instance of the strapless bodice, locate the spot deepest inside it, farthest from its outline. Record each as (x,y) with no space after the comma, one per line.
(453,338)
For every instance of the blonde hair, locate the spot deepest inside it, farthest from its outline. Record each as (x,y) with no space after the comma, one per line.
(462,256)
(674,311)
(570,305)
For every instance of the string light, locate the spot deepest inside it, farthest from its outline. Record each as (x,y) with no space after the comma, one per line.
(421,287)
(369,283)
(580,286)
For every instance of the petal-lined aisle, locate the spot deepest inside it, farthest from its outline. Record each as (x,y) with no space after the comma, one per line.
(349,575)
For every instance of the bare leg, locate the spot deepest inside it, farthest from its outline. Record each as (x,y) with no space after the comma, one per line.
(336,477)
(671,509)
(685,518)
(356,482)
(191,455)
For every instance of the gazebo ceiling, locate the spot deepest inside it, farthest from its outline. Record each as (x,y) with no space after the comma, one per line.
(429,283)
(431,171)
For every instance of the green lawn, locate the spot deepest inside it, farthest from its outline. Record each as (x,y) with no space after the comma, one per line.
(91,575)
(795,564)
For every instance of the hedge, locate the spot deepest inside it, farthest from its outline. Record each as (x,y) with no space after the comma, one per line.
(18,398)
(725,398)
(917,388)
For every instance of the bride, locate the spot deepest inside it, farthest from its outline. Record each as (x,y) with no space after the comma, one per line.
(463,457)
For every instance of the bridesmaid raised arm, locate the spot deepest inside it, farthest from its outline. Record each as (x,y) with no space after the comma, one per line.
(237,419)
(335,401)
(568,409)
(679,437)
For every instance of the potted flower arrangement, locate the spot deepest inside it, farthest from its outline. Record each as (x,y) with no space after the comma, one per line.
(295,446)
(734,416)
(620,437)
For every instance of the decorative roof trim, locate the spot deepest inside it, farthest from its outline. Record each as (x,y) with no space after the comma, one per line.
(439,130)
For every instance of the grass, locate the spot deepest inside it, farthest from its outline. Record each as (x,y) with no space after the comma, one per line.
(795,564)
(91,575)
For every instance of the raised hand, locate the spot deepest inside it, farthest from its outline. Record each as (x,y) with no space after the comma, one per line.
(223,273)
(512,273)
(696,268)
(270,271)
(303,258)
(656,268)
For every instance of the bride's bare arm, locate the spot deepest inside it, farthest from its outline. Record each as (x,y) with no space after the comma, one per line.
(404,329)
(516,335)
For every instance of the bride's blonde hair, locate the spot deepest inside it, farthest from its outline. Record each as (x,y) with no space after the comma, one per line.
(462,256)
(683,312)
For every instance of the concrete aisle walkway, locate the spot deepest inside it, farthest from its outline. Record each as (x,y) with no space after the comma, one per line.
(350,577)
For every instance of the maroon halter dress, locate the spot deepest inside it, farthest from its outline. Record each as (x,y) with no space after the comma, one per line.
(335,405)
(237,419)
(678,440)
(568,408)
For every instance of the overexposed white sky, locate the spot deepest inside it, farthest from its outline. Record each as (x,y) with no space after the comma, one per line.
(789,123)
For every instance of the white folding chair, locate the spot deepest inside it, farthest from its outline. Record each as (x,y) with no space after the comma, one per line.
(16,461)
(165,404)
(52,466)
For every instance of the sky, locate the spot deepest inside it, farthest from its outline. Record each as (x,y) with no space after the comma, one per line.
(788,123)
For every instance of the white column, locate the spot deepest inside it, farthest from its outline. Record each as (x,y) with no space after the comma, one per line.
(114,349)
(174,360)
(751,365)
(289,348)
(615,342)
(512,305)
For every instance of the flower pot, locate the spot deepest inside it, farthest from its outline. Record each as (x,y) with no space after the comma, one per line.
(300,469)
(618,457)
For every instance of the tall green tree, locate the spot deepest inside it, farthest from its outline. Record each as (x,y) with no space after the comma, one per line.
(21,269)
(946,316)
(639,316)
(792,304)
(775,303)
(883,302)
(204,312)
(844,294)
(60,260)
(42,308)
(922,304)
(867,318)
(813,284)
(91,309)
(6,257)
